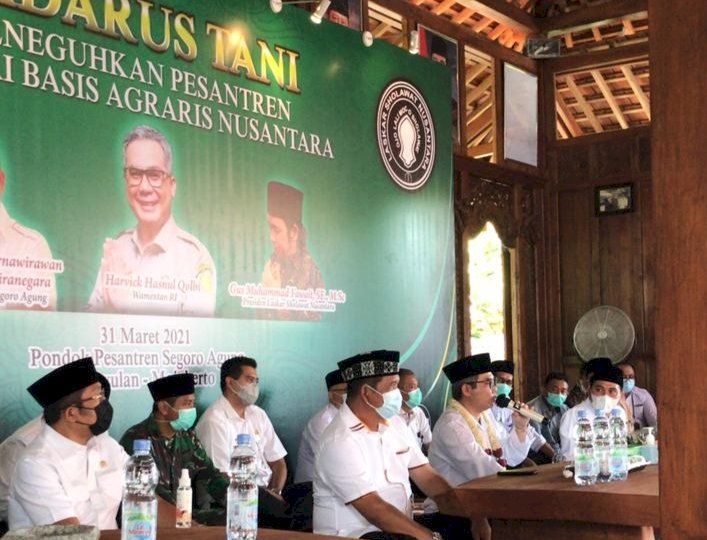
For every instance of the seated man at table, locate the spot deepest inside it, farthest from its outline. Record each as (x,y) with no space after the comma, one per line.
(12,447)
(336,392)
(605,392)
(503,372)
(235,412)
(366,458)
(467,442)
(639,401)
(551,404)
(174,446)
(580,391)
(412,414)
(72,472)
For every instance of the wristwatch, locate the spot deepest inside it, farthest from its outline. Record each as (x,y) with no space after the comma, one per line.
(436,536)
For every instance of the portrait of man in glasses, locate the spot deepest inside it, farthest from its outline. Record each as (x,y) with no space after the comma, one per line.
(156,267)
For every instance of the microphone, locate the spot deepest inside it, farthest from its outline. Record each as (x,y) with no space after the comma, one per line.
(507,403)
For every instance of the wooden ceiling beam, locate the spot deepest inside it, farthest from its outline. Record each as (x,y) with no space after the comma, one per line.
(443,6)
(592,16)
(568,118)
(474,71)
(609,97)
(496,173)
(483,121)
(586,107)
(504,13)
(461,33)
(616,55)
(462,16)
(637,90)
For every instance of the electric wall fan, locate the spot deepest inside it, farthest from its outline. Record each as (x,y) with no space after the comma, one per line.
(604,331)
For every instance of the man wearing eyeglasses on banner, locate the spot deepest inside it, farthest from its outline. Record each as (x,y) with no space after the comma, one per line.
(155,268)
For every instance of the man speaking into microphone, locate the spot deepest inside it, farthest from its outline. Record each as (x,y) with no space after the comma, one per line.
(467,442)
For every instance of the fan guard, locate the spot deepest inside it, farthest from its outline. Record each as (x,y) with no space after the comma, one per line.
(604,331)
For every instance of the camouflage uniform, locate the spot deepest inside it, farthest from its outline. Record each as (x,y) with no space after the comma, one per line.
(183,451)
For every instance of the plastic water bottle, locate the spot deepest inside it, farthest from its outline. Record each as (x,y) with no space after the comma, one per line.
(585,468)
(242,520)
(602,445)
(139,499)
(619,450)
(184,501)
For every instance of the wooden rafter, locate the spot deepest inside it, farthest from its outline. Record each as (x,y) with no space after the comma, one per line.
(479,91)
(586,108)
(637,90)
(593,15)
(568,118)
(503,13)
(443,6)
(609,97)
(463,15)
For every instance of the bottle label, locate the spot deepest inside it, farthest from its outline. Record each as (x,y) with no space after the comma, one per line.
(584,466)
(184,507)
(243,509)
(140,521)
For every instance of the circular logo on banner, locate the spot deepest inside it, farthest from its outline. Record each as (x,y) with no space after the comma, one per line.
(406,135)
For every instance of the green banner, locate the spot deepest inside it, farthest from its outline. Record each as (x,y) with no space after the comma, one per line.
(182,182)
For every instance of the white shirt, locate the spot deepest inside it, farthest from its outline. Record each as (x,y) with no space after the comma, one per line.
(457,456)
(310,439)
(220,424)
(25,254)
(173,275)
(10,451)
(569,421)
(419,425)
(57,478)
(504,416)
(351,462)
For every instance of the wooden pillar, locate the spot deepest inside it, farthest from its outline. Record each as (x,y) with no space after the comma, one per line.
(678,48)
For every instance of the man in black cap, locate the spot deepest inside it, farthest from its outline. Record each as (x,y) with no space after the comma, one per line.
(72,472)
(580,391)
(175,446)
(503,372)
(290,264)
(366,457)
(604,395)
(12,447)
(336,392)
(467,442)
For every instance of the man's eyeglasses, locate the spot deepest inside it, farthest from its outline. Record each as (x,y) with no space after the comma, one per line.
(490,382)
(97,398)
(155,177)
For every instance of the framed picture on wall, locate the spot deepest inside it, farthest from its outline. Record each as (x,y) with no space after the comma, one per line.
(613,199)
(345,13)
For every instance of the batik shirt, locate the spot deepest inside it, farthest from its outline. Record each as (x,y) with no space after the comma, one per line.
(183,451)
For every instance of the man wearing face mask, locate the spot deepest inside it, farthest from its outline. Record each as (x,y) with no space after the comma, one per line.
(72,472)
(235,412)
(639,401)
(551,404)
(411,413)
(605,393)
(366,458)
(174,446)
(580,391)
(503,372)
(336,391)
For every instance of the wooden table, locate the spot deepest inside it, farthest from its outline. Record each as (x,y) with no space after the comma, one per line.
(219,533)
(538,506)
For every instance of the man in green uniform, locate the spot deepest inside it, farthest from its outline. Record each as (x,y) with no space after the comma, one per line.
(175,446)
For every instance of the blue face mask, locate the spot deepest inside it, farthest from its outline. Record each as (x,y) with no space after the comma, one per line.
(414,398)
(185,420)
(503,389)
(628,386)
(556,400)
(392,401)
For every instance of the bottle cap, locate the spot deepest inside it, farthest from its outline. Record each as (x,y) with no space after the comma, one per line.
(184,480)
(616,412)
(581,413)
(141,445)
(242,439)
(599,412)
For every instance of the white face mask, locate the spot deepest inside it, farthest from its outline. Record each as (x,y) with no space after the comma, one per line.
(605,403)
(248,393)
